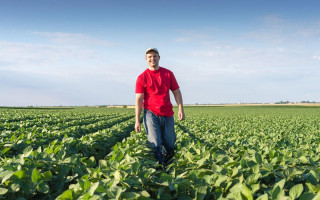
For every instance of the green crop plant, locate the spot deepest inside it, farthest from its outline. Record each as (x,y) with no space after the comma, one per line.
(256,152)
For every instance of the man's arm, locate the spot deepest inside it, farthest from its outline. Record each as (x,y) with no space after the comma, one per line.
(139,102)
(178,97)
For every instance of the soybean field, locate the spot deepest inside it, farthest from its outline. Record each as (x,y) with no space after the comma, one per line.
(231,152)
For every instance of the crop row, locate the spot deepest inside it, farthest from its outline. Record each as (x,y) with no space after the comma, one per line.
(54,121)
(13,142)
(45,171)
(236,155)
(222,153)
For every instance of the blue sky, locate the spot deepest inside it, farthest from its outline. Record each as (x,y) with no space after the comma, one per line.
(77,52)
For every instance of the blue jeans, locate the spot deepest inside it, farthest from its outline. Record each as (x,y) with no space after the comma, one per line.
(161,135)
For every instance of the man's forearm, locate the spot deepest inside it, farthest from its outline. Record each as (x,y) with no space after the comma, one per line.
(178,97)
(139,103)
(138,112)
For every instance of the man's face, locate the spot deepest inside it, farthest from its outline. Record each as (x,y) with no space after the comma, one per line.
(152,59)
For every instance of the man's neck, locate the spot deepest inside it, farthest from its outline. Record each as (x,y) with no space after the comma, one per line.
(154,68)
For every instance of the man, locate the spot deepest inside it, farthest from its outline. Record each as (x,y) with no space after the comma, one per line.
(152,93)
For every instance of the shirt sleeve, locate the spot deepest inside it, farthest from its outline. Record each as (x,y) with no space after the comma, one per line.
(173,82)
(139,85)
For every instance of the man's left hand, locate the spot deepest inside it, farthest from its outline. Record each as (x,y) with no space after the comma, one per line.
(181,115)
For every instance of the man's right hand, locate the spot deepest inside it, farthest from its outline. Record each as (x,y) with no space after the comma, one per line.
(137,127)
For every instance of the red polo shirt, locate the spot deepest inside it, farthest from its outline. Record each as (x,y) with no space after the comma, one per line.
(155,86)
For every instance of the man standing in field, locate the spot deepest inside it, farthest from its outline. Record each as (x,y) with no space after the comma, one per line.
(152,93)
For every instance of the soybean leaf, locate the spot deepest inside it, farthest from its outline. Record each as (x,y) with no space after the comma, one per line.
(277,193)
(114,192)
(6,175)
(312,188)
(43,187)
(253,178)
(246,192)
(3,191)
(20,174)
(296,191)
(263,197)
(46,176)
(135,167)
(35,177)
(317,197)
(93,188)
(258,158)
(307,196)
(27,151)
(68,194)
(130,195)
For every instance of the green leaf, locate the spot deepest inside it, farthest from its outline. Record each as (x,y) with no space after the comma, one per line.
(304,160)
(296,191)
(221,179)
(193,175)
(189,156)
(235,192)
(246,192)
(317,197)
(46,176)
(253,178)
(6,175)
(243,163)
(184,185)
(15,187)
(35,177)
(163,194)
(43,187)
(27,151)
(277,193)
(93,188)
(3,191)
(307,196)
(165,178)
(235,171)
(209,179)
(130,195)
(255,187)
(114,192)
(117,175)
(280,184)
(66,195)
(263,197)
(258,158)
(135,167)
(6,150)
(144,194)
(201,192)
(312,188)
(313,177)
(20,174)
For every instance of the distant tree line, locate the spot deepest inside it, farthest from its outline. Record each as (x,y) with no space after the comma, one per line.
(288,102)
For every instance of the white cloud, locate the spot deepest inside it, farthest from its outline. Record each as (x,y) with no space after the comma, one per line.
(276,30)
(73,39)
(317,57)
(47,59)
(191,35)
(311,30)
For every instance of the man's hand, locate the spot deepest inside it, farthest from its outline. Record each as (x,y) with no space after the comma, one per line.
(139,102)
(177,95)
(181,114)
(137,127)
